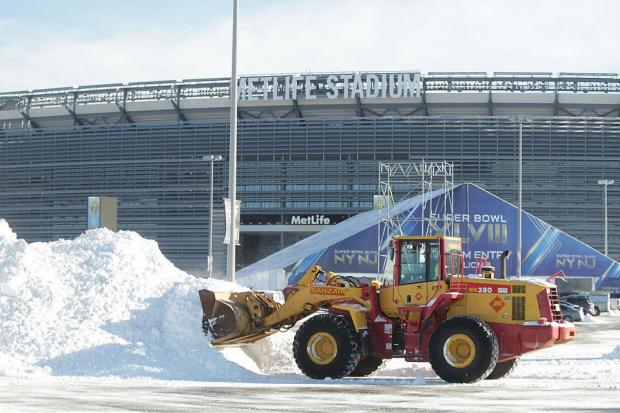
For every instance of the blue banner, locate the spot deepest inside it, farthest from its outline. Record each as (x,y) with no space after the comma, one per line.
(487,226)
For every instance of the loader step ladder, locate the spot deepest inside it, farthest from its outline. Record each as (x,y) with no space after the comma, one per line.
(412,328)
(455,271)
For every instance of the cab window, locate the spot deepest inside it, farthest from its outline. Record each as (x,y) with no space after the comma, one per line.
(412,262)
(387,276)
(433,261)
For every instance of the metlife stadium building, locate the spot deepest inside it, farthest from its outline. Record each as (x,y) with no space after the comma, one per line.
(309,146)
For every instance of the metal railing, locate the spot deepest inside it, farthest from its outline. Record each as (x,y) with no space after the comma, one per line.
(433,82)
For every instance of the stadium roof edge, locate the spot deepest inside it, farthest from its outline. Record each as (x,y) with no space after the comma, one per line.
(320,95)
(454,75)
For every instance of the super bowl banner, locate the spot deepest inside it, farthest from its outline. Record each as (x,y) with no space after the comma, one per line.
(487,226)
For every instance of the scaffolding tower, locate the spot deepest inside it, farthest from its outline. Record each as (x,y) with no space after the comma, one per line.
(401,180)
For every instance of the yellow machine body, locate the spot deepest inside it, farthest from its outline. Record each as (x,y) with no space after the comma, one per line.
(422,287)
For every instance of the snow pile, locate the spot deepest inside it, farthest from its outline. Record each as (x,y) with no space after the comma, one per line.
(589,319)
(271,355)
(103,304)
(614,355)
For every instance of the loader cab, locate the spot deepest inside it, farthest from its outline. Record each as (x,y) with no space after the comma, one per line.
(412,260)
(419,261)
(418,269)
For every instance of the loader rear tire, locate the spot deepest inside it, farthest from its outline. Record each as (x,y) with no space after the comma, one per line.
(368,366)
(463,350)
(327,346)
(503,369)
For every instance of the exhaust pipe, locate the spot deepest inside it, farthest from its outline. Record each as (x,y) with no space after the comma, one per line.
(502,265)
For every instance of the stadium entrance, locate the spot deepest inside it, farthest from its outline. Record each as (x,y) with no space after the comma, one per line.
(262,235)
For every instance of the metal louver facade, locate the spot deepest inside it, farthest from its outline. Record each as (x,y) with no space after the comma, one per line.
(295,166)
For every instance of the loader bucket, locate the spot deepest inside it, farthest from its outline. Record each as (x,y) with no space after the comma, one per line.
(222,316)
(236,318)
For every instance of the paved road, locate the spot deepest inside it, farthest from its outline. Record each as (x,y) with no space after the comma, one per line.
(530,392)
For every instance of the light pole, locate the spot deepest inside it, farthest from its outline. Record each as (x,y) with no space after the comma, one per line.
(520,190)
(605,183)
(232,159)
(211,158)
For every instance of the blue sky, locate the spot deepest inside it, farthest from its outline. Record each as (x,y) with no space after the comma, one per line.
(71,42)
(108,14)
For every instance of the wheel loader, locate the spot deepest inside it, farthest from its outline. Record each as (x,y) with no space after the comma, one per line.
(422,309)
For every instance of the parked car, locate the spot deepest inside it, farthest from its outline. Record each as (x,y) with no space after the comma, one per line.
(601,301)
(571,312)
(614,300)
(583,301)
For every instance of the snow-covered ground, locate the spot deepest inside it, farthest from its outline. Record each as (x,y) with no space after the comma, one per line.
(105,322)
(580,376)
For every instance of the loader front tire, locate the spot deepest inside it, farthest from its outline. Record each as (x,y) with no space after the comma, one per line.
(463,350)
(503,369)
(327,346)
(368,366)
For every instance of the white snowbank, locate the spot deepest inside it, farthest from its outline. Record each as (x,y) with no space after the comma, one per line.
(613,355)
(271,355)
(103,304)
